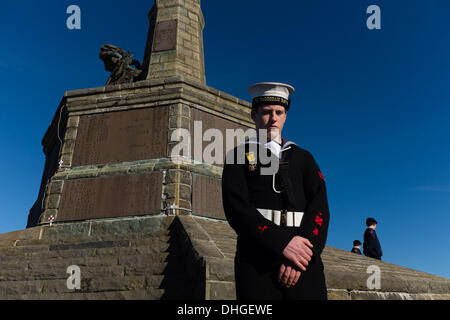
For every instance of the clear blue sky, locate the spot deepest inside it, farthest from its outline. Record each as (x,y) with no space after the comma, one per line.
(373,106)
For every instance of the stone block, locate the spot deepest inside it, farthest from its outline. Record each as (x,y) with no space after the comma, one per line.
(338,294)
(180,110)
(192,228)
(177,191)
(73,121)
(131,226)
(375,295)
(364,295)
(220,269)
(68,146)
(193,16)
(53,201)
(178,176)
(206,248)
(178,121)
(70,230)
(438,286)
(221,291)
(342,279)
(56,186)
(180,203)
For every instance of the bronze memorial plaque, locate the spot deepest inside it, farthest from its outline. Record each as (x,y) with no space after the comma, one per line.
(116,196)
(129,135)
(165,35)
(207,197)
(210,121)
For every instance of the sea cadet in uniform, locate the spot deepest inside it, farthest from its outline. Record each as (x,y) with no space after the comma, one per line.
(356,247)
(372,247)
(281,219)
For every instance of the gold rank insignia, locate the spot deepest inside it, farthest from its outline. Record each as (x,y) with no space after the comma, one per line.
(252,161)
(250,157)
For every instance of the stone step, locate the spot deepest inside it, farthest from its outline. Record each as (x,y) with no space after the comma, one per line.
(5,251)
(52,273)
(107,237)
(362,264)
(95,261)
(38,245)
(60,285)
(59,271)
(91,258)
(125,228)
(149,294)
(97,283)
(87,249)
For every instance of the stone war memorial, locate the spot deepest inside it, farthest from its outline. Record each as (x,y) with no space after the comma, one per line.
(117,217)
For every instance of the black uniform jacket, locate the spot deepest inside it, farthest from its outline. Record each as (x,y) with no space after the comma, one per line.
(356,250)
(244,189)
(371,246)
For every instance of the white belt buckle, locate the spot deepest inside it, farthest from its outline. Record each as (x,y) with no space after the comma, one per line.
(277,217)
(293,218)
(266,213)
(289,219)
(298,216)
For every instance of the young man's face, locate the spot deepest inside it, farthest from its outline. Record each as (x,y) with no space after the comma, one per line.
(272,118)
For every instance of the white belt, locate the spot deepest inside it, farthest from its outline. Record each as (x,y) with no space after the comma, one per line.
(283,217)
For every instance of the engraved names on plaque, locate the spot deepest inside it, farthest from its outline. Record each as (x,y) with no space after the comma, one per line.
(210,121)
(207,197)
(126,195)
(129,135)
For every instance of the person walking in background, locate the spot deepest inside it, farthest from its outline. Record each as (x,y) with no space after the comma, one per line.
(356,247)
(371,247)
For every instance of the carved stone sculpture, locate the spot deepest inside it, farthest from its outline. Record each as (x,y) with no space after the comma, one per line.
(120,63)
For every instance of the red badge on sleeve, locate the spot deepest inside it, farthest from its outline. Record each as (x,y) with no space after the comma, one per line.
(321,175)
(319,220)
(262,229)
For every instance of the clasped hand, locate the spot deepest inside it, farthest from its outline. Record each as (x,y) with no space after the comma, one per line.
(297,256)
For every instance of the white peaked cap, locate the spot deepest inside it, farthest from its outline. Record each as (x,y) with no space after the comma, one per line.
(272,89)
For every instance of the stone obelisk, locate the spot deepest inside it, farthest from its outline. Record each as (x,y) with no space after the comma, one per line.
(108,149)
(175,41)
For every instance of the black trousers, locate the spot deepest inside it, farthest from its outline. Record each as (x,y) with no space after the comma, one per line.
(259,281)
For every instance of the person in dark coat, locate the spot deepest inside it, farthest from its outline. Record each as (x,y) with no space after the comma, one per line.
(356,247)
(371,247)
(281,218)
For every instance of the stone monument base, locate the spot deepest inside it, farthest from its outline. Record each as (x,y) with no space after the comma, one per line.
(170,257)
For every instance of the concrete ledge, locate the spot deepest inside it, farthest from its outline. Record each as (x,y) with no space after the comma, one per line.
(137,167)
(90,228)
